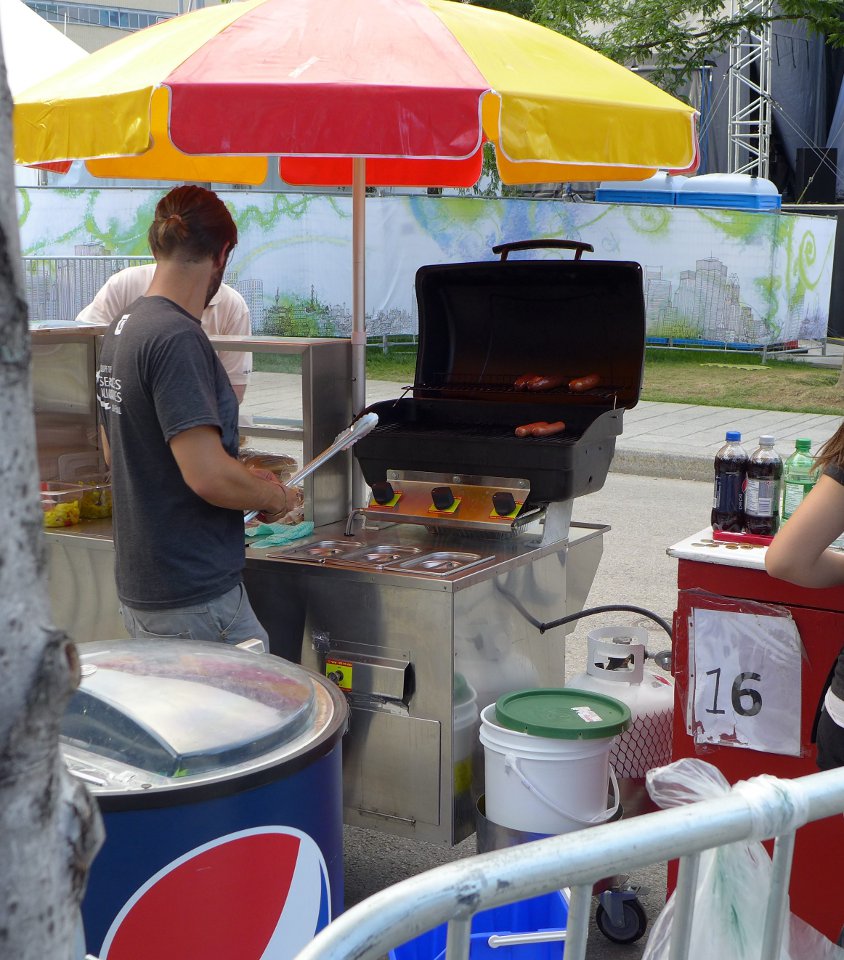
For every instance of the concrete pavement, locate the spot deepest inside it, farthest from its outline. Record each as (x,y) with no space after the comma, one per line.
(679,440)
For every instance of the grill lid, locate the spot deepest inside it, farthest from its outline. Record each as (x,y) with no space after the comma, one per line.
(483,325)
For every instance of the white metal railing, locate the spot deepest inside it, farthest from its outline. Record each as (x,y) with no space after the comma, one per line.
(456,892)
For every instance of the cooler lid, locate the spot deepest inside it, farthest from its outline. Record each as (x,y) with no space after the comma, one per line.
(179,708)
(563,714)
(484,324)
(729,183)
(660,181)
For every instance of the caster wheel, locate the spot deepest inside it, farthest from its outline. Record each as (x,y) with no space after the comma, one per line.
(634,924)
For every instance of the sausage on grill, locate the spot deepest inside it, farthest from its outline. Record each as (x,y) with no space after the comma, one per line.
(546,383)
(541,428)
(548,429)
(582,384)
(521,383)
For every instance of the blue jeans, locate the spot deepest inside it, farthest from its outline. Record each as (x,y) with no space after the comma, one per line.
(228,618)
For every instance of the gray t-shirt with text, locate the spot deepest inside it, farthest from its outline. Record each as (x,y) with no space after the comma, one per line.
(159,376)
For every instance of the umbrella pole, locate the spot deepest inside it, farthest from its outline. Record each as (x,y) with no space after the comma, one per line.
(358,308)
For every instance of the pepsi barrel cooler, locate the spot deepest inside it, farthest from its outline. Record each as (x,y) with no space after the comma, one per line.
(219,776)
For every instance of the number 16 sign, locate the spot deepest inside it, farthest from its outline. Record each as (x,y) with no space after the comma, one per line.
(745,681)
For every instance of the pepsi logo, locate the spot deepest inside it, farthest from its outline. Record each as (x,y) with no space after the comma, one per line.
(259,894)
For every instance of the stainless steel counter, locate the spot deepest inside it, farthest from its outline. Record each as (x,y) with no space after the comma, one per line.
(420,655)
(417,655)
(83,595)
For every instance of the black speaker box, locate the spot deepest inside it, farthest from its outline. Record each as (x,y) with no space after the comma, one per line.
(814,178)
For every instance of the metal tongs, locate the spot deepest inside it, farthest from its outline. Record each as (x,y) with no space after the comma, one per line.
(345,439)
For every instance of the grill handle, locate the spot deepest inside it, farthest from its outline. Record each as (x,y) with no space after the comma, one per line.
(505,249)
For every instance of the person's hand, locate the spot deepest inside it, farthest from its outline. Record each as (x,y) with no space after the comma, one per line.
(263,474)
(280,499)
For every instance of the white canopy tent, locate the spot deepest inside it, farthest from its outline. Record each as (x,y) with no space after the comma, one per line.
(32,48)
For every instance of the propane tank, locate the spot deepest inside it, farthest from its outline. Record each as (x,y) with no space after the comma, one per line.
(615,666)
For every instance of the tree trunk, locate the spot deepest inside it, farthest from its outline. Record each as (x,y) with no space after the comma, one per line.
(49,825)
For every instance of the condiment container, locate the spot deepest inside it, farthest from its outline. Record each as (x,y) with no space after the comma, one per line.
(60,502)
(96,496)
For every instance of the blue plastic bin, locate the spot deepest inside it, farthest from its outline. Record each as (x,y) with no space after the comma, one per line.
(549,912)
(738,191)
(661,188)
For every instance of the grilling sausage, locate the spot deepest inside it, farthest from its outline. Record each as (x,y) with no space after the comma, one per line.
(541,428)
(548,429)
(545,383)
(582,384)
(521,383)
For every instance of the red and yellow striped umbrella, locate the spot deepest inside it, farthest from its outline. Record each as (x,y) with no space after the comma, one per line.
(413,86)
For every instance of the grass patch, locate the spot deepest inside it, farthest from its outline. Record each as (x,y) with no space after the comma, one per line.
(276,363)
(738,380)
(393,366)
(715,379)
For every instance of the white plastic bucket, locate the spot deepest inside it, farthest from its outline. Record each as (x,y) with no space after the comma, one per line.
(544,784)
(465,727)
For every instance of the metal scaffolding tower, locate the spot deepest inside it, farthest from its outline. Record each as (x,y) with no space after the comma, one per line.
(749,104)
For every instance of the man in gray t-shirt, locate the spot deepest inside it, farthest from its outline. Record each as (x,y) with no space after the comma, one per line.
(169,422)
(159,376)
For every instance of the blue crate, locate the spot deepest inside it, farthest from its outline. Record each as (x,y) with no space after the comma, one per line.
(549,912)
(661,188)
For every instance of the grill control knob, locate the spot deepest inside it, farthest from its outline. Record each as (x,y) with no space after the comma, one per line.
(442,497)
(382,492)
(504,503)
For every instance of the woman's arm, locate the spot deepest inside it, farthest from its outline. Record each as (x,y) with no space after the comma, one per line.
(798,553)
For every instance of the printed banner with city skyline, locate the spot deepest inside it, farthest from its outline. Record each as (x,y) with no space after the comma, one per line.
(724,276)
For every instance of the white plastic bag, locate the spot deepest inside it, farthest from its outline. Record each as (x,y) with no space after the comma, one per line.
(732,886)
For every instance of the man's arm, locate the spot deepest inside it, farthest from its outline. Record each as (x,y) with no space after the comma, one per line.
(106,447)
(220,479)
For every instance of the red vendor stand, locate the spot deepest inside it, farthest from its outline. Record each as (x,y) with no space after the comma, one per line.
(732,579)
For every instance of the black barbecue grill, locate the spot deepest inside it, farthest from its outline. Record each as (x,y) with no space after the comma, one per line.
(484,325)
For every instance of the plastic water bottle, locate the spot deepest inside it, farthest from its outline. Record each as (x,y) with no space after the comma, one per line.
(798,477)
(762,490)
(730,472)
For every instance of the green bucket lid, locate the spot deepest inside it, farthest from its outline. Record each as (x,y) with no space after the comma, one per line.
(562,713)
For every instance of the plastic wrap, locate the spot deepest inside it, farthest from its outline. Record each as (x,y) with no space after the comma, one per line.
(733,882)
(742,683)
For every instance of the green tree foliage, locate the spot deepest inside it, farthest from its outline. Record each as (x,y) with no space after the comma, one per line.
(676,37)
(291,316)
